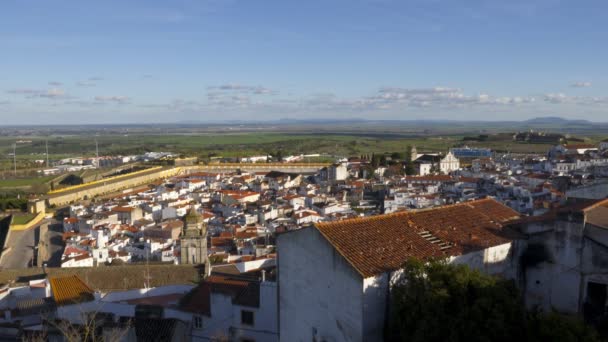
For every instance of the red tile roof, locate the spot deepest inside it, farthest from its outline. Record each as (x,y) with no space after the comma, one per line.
(377,244)
(123,209)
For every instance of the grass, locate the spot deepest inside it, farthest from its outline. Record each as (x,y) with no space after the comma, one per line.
(23,182)
(23,218)
(351,142)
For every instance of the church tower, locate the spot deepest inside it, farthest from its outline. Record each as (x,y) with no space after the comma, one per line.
(194,239)
(413,154)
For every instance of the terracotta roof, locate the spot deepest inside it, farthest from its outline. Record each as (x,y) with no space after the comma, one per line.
(377,244)
(123,209)
(70,290)
(429,178)
(597,214)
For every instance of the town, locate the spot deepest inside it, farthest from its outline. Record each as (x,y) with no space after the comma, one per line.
(277,251)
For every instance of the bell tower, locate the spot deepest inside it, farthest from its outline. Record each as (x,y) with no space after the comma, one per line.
(193,239)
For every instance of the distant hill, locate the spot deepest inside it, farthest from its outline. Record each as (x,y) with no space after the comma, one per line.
(555,120)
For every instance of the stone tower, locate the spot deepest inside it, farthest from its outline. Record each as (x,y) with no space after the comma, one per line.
(194,239)
(413,154)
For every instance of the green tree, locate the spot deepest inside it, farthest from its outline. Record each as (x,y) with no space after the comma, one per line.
(408,153)
(555,327)
(439,302)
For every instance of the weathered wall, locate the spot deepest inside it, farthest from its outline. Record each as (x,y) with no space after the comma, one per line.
(107,187)
(319,291)
(595,191)
(556,284)
(104,187)
(498,260)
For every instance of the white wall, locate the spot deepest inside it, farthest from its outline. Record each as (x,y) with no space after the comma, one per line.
(318,290)
(265,326)
(375,296)
(498,260)
(555,285)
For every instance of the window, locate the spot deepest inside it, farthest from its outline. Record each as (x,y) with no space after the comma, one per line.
(198,322)
(246,317)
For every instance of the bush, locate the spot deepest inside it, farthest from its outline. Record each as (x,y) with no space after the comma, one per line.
(440,302)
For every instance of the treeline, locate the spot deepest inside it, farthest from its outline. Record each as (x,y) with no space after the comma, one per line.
(13,201)
(440,302)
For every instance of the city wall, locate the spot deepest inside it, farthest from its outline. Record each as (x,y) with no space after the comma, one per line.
(111,185)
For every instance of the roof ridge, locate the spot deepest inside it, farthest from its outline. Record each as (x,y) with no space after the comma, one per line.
(595,205)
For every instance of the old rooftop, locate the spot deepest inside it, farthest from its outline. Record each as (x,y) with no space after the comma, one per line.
(70,290)
(377,244)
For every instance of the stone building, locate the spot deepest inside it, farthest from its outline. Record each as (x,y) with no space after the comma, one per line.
(449,163)
(194,239)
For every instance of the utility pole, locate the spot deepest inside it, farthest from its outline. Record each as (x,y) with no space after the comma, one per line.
(96,153)
(47,153)
(15,158)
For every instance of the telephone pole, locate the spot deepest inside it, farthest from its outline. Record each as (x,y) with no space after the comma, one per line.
(47,153)
(96,153)
(15,158)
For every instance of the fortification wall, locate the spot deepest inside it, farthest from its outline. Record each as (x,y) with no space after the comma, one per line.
(111,185)
(90,190)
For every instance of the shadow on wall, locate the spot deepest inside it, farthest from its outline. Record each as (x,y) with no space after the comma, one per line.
(4,229)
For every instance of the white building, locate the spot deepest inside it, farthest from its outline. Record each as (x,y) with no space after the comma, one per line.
(234,308)
(334,278)
(337,172)
(572,277)
(449,163)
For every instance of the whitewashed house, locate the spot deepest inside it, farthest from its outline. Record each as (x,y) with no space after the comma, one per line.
(334,278)
(239,309)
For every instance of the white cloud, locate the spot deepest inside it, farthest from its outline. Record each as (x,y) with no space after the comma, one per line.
(55,84)
(581,84)
(52,93)
(113,99)
(24,91)
(86,84)
(240,88)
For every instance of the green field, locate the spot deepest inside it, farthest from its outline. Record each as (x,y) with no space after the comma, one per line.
(352,141)
(24,182)
(22,218)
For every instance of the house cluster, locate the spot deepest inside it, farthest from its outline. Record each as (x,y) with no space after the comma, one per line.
(242,211)
(239,214)
(289,257)
(529,183)
(236,301)
(332,281)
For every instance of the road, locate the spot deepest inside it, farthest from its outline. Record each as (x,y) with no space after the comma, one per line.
(23,244)
(20,246)
(53,243)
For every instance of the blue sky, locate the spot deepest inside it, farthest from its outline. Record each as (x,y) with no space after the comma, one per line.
(209,60)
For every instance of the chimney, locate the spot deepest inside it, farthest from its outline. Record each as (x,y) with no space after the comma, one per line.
(263,275)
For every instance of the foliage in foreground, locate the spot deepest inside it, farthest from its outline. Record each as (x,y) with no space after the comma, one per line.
(439,302)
